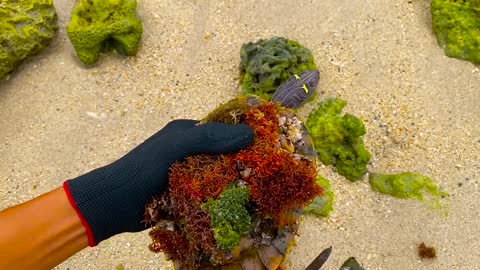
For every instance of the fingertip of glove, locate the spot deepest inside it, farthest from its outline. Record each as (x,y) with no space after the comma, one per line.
(244,135)
(236,137)
(226,138)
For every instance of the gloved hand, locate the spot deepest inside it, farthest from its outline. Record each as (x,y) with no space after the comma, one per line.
(111,200)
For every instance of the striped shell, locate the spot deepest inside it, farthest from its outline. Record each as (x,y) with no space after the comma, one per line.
(295,91)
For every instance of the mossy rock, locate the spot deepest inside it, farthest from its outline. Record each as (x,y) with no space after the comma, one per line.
(26,28)
(268,63)
(98,26)
(456,24)
(240,211)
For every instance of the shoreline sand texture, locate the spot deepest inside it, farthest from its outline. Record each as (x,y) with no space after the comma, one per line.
(421,109)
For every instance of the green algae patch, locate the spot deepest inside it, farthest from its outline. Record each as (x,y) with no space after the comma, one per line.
(404,185)
(266,64)
(456,23)
(229,217)
(98,26)
(26,28)
(321,205)
(338,139)
(407,185)
(231,112)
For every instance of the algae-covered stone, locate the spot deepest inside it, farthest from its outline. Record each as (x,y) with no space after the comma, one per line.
(321,205)
(26,28)
(457,27)
(100,25)
(338,139)
(351,264)
(266,64)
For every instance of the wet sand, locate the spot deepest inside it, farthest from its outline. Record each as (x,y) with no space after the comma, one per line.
(421,109)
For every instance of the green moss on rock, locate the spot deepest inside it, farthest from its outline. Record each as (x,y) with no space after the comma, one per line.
(100,25)
(266,64)
(231,112)
(229,217)
(456,24)
(26,28)
(338,139)
(321,205)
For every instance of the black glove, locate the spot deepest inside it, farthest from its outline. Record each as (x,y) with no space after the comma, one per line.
(111,200)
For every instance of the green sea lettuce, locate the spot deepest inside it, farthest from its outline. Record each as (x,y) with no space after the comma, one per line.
(456,24)
(266,64)
(26,28)
(321,205)
(404,185)
(229,217)
(98,26)
(338,139)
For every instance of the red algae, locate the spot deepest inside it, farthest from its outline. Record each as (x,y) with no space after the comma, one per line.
(279,183)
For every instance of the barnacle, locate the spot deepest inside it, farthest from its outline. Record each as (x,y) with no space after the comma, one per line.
(100,25)
(26,28)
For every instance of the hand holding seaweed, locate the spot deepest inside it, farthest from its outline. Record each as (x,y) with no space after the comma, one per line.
(111,199)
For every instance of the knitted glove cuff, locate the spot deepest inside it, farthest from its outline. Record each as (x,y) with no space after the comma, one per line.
(106,200)
(91,240)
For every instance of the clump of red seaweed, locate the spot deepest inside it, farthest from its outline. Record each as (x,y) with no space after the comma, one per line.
(426,252)
(279,181)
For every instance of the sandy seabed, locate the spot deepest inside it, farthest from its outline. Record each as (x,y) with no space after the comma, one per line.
(421,109)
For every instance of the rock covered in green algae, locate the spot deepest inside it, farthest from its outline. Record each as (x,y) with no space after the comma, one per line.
(230,219)
(338,139)
(321,205)
(26,28)
(456,24)
(100,25)
(404,185)
(266,64)
(351,264)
